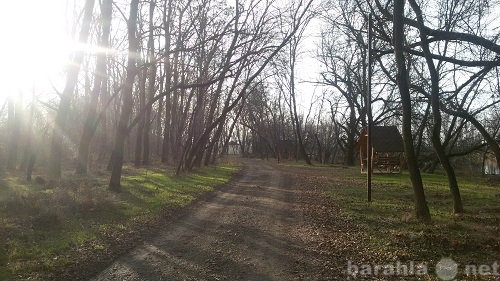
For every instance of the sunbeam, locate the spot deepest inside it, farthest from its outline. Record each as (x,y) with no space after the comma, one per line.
(36,46)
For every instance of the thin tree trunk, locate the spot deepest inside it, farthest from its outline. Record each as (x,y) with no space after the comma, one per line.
(142,122)
(175,111)
(29,152)
(302,149)
(159,116)
(14,121)
(420,131)
(351,136)
(100,78)
(166,146)
(127,103)
(151,86)
(293,57)
(436,113)
(421,209)
(104,146)
(231,129)
(60,125)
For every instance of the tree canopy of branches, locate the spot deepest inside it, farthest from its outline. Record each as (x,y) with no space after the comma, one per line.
(442,58)
(171,75)
(177,81)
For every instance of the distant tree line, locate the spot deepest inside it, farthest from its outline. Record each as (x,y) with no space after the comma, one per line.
(163,78)
(178,80)
(435,76)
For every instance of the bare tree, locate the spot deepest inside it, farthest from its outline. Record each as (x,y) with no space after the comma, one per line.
(422,211)
(60,124)
(293,48)
(258,58)
(100,77)
(436,113)
(15,112)
(151,88)
(127,98)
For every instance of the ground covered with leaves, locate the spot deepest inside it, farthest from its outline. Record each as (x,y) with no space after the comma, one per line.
(344,229)
(69,230)
(273,221)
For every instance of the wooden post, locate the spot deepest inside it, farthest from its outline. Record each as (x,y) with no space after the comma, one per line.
(361,158)
(401,162)
(369,112)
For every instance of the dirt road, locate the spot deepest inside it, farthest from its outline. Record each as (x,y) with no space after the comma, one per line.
(247,231)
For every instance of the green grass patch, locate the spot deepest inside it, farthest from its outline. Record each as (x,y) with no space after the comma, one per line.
(471,238)
(40,223)
(299,164)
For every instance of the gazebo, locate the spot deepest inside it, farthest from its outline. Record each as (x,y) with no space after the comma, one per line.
(387,149)
(233,148)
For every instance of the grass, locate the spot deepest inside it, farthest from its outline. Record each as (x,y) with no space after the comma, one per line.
(470,238)
(289,163)
(39,224)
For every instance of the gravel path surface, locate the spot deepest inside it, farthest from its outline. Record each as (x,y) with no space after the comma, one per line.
(249,230)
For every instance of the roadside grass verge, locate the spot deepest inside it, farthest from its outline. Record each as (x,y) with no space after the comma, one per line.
(46,229)
(389,224)
(291,163)
(470,238)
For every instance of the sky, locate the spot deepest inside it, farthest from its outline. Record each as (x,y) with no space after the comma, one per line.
(34,47)
(38,45)
(309,68)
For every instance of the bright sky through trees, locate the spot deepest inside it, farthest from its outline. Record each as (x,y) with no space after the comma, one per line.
(35,45)
(38,43)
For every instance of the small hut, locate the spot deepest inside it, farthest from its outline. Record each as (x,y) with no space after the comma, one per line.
(233,148)
(387,149)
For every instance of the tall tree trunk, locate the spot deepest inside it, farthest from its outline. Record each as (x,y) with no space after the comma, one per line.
(302,149)
(103,139)
(231,129)
(151,86)
(436,113)
(127,99)
(175,112)
(421,209)
(60,125)
(320,150)
(100,78)
(15,122)
(293,58)
(351,136)
(212,149)
(142,122)
(166,146)
(198,138)
(420,131)
(29,151)
(159,118)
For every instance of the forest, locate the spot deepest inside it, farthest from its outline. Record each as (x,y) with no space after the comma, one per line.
(174,85)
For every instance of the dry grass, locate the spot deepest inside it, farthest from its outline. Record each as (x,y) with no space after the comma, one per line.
(43,226)
(389,225)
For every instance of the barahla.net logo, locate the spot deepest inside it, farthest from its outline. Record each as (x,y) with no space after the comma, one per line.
(446,269)
(399,268)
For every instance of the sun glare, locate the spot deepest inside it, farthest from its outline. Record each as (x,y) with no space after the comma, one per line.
(34,48)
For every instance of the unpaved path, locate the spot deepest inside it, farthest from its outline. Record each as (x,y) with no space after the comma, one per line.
(247,231)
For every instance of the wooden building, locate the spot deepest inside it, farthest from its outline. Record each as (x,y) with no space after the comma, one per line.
(387,150)
(233,148)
